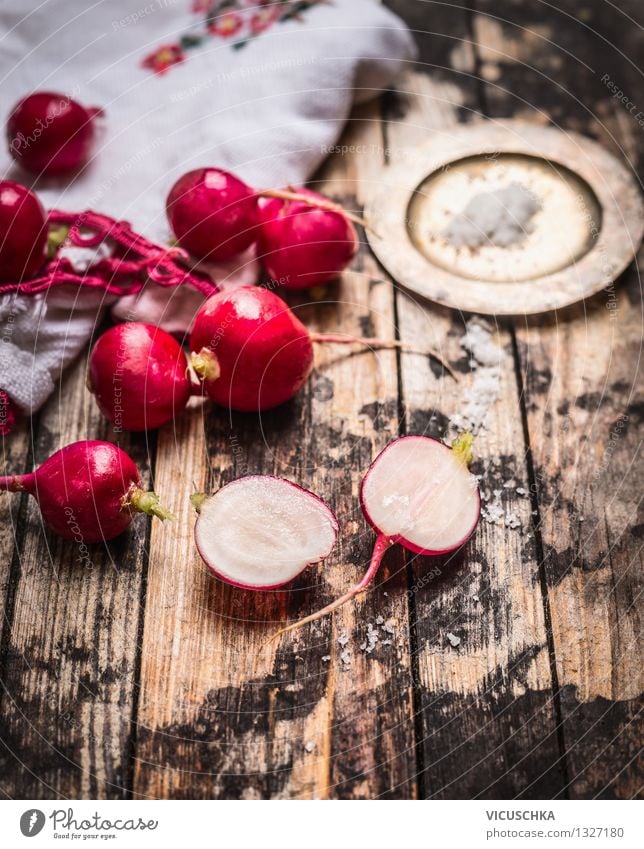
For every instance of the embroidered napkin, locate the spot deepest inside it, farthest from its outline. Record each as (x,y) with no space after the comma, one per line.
(259,88)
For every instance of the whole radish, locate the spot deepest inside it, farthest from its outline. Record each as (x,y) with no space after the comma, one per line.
(418,493)
(49,133)
(304,239)
(260,532)
(138,374)
(252,353)
(23,232)
(88,490)
(249,350)
(213,214)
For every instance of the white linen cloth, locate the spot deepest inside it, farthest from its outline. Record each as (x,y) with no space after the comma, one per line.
(268,109)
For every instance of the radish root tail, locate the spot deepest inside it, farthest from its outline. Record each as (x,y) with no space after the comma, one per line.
(290,194)
(372,342)
(379,549)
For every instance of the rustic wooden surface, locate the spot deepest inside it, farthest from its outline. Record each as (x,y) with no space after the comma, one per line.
(135,676)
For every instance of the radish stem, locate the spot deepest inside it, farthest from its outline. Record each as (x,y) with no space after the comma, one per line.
(337,339)
(17,483)
(289,194)
(146,502)
(381,545)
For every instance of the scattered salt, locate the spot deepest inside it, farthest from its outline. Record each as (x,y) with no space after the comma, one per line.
(454,641)
(309,746)
(485,389)
(343,639)
(521,490)
(379,620)
(345,657)
(326,658)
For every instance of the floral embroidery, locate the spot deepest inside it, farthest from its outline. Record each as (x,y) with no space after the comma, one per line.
(226,25)
(164,57)
(237,20)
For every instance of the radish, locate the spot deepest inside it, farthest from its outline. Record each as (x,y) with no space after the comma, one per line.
(88,491)
(304,239)
(250,351)
(260,532)
(23,232)
(139,376)
(418,493)
(49,133)
(213,214)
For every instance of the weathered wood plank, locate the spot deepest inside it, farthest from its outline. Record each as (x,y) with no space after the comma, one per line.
(212,723)
(488,718)
(69,671)
(582,382)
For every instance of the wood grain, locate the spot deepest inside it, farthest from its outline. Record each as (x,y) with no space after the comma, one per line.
(214,719)
(488,719)
(580,375)
(70,646)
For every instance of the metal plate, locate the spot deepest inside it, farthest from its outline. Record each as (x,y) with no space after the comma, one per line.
(583,228)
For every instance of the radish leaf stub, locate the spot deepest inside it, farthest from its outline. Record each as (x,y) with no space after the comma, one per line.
(260,532)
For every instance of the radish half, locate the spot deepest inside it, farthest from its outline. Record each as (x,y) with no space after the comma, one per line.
(260,532)
(417,492)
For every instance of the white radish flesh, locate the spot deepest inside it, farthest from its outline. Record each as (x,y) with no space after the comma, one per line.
(260,532)
(418,492)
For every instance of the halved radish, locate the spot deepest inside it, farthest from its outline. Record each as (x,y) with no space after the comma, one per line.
(260,532)
(417,492)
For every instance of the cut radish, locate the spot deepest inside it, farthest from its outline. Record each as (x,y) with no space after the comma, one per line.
(260,532)
(419,493)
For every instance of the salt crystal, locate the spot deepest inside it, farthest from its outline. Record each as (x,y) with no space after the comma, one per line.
(343,639)
(326,658)
(345,657)
(453,639)
(309,746)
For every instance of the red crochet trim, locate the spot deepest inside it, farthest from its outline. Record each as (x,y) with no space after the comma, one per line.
(136,260)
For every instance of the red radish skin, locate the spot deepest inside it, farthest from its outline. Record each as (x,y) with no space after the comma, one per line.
(305,244)
(411,486)
(249,349)
(252,353)
(138,374)
(49,133)
(213,214)
(260,532)
(23,232)
(88,490)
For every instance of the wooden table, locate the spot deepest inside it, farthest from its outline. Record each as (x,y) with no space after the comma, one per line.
(135,677)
